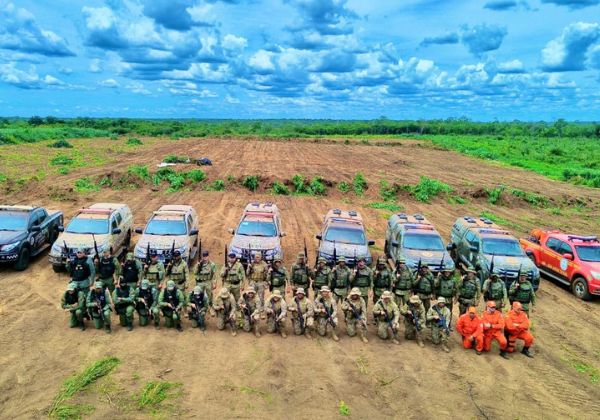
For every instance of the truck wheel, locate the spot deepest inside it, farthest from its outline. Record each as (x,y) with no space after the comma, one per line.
(127,240)
(57,268)
(580,288)
(23,260)
(386,249)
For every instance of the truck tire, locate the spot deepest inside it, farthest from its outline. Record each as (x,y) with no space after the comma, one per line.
(23,260)
(57,268)
(386,249)
(580,288)
(127,240)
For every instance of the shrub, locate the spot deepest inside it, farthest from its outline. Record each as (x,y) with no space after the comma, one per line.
(61,160)
(250,182)
(216,185)
(141,171)
(83,185)
(316,186)
(64,171)
(196,175)
(533,199)
(343,187)
(495,194)
(133,141)
(387,192)
(176,159)
(359,184)
(176,182)
(280,189)
(61,144)
(386,206)
(428,188)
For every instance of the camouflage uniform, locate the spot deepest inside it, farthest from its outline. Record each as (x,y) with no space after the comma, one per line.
(522,291)
(251,307)
(438,318)
(340,280)
(278,277)
(108,268)
(301,307)
(300,274)
(198,305)
(363,279)
(382,279)
(171,300)
(414,318)
(154,273)
(98,304)
(468,292)
(423,286)
(257,277)
(82,272)
(179,272)
(205,273)
(73,300)
(123,300)
(355,310)
(387,315)
(146,303)
(403,284)
(446,287)
(276,310)
(225,307)
(131,271)
(495,289)
(233,277)
(323,276)
(326,313)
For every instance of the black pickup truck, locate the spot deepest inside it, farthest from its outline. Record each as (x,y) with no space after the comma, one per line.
(26,231)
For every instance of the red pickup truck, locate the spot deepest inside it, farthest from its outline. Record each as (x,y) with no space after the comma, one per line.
(573,260)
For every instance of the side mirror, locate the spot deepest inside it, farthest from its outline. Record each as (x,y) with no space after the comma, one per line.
(282,234)
(395,244)
(231,230)
(319,237)
(35,228)
(474,248)
(371,243)
(60,228)
(193,232)
(139,230)
(451,246)
(116,231)
(568,256)
(529,253)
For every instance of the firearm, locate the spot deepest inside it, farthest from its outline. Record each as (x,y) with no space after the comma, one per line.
(148,259)
(66,252)
(148,311)
(250,266)
(305,252)
(226,265)
(442,321)
(415,319)
(300,316)
(419,267)
(388,319)
(96,247)
(442,262)
(170,265)
(519,276)
(335,274)
(275,315)
(246,311)
(357,316)
(329,315)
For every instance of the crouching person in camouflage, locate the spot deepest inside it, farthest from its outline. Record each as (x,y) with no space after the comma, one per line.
(73,300)
(276,310)
(124,304)
(355,310)
(414,318)
(438,317)
(251,308)
(326,313)
(98,303)
(225,307)
(198,304)
(387,315)
(171,300)
(146,304)
(302,314)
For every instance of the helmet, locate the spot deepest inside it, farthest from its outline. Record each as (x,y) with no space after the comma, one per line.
(402,261)
(301,255)
(80,251)
(231,255)
(277,258)
(177,253)
(447,269)
(325,289)
(170,285)
(471,270)
(129,256)
(145,284)
(441,299)
(517,305)
(491,304)
(224,292)
(197,290)
(381,260)
(414,299)
(300,290)
(153,253)
(355,291)
(472,310)
(73,286)
(361,259)
(98,285)
(205,253)
(386,295)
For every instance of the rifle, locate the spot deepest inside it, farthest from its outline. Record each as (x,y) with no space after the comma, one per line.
(66,250)
(329,315)
(419,267)
(246,312)
(300,316)
(357,316)
(250,261)
(196,311)
(96,247)
(335,274)
(486,292)
(275,315)
(170,265)
(148,311)
(148,259)
(388,319)
(305,252)
(442,321)
(442,262)
(415,319)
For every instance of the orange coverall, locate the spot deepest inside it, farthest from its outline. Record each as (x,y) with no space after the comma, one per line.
(470,329)
(494,332)
(517,325)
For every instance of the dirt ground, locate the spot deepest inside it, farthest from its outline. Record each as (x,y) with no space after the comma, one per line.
(245,377)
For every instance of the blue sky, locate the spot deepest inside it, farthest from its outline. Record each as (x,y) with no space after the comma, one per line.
(405,59)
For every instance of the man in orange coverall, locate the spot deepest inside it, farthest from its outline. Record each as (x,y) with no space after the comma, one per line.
(493,328)
(470,327)
(517,325)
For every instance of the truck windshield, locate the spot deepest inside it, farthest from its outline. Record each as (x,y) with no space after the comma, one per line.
(13,220)
(345,236)
(257,228)
(83,225)
(588,253)
(427,242)
(502,247)
(166,227)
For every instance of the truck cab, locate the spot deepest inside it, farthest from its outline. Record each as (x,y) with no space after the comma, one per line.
(485,246)
(415,239)
(343,234)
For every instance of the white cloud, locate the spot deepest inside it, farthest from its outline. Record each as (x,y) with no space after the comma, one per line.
(95,65)
(109,83)
(232,42)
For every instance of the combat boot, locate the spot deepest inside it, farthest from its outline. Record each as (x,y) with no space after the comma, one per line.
(420,342)
(526,352)
(445,347)
(257,332)
(364,338)
(283,334)
(233,333)
(178,327)
(129,325)
(82,325)
(503,354)
(395,341)
(308,334)
(334,336)
(107,329)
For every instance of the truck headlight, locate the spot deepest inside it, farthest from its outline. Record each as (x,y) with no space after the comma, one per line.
(595,274)
(9,247)
(56,249)
(139,252)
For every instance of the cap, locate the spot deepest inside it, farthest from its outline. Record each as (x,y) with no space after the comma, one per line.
(470,270)
(381,260)
(325,289)
(472,310)
(387,294)
(197,290)
(322,260)
(205,253)
(414,299)
(153,253)
(517,305)
(361,259)
(402,261)
(231,255)
(224,292)
(424,266)
(170,285)
(129,256)
(441,299)
(277,258)
(277,292)
(491,304)
(177,253)
(447,269)
(355,291)
(494,275)
(98,285)
(145,284)
(300,290)
(250,290)
(341,258)
(300,254)
(80,251)
(73,286)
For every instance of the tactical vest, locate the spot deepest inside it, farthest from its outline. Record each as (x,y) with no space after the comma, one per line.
(197,300)
(99,298)
(424,286)
(362,278)
(106,267)
(341,278)
(468,289)
(178,272)
(496,290)
(321,277)
(276,307)
(171,296)
(382,280)
(71,298)
(257,272)
(130,272)
(327,304)
(147,296)
(524,293)
(446,288)
(277,278)
(299,305)
(153,274)
(80,269)
(123,293)
(300,275)
(233,275)
(404,282)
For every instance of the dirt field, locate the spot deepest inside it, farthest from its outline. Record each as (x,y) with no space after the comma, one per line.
(245,377)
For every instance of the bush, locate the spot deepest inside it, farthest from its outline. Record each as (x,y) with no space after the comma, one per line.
(316,186)
(133,141)
(251,182)
(386,206)
(196,175)
(428,188)
(141,171)
(176,181)
(280,189)
(495,194)
(216,185)
(61,144)
(299,185)
(3,178)
(59,160)
(359,184)
(176,159)
(343,187)
(63,171)
(83,185)
(387,192)
(533,199)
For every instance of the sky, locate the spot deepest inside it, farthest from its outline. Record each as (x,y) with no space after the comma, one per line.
(485,60)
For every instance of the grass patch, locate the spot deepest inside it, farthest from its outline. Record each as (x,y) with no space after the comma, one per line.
(535,200)
(343,409)
(3,178)
(457,199)
(61,160)
(133,141)
(251,182)
(495,194)
(83,185)
(386,206)
(196,175)
(279,188)
(388,192)
(499,220)
(359,184)
(343,187)
(428,188)
(176,182)
(78,383)
(176,159)
(61,144)
(216,185)
(156,395)
(141,171)
(263,394)
(362,364)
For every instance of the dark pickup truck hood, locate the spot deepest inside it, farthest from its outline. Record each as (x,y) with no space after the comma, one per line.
(10,236)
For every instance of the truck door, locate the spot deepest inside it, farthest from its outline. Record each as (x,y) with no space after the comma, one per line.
(550,256)
(39,238)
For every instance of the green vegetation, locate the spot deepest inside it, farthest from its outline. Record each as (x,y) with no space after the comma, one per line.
(3,178)
(176,159)
(216,185)
(263,394)
(533,199)
(343,409)
(359,184)
(386,206)
(279,188)
(78,383)
(155,395)
(495,194)
(428,188)
(500,220)
(60,160)
(251,182)
(302,187)
(61,144)
(83,185)
(457,199)
(63,171)
(195,175)
(388,192)
(343,187)
(133,141)
(141,171)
